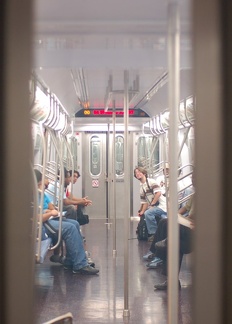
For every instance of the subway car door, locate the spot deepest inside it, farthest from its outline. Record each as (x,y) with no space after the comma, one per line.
(98,175)
(94,170)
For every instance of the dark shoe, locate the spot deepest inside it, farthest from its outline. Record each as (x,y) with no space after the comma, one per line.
(91,264)
(88,270)
(164,285)
(161,244)
(56,258)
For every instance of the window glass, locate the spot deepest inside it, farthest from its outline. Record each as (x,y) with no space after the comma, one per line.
(119,155)
(95,155)
(148,151)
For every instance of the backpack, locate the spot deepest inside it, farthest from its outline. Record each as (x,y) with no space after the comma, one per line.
(142,232)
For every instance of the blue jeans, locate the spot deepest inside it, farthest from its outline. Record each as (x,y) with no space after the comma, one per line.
(150,217)
(75,252)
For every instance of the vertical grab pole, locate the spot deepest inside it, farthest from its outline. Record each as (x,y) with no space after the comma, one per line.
(113,181)
(126,195)
(173,228)
(107,175)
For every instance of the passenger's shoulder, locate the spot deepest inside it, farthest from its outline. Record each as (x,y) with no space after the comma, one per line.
(153,183)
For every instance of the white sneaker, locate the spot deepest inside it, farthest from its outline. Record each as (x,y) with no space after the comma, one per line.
(89,260)
(148,256)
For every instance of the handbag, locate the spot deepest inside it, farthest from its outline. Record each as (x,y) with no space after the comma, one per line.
(82,219)
(142,232)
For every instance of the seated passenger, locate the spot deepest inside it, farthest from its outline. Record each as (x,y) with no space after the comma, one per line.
(153,202)
(181,184)
(76,176)
(75,254)
(182,193)
(159,244)
(82,202)
(69,205)
(161,179)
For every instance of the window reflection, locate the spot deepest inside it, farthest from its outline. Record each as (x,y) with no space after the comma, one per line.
(119,155)
(148,150)
(95,154)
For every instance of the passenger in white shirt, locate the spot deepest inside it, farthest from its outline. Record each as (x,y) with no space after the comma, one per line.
(153,202)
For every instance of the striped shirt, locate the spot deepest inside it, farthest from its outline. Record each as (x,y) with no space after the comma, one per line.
(147,192)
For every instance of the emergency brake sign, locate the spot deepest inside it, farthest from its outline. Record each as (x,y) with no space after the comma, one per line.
(95,183)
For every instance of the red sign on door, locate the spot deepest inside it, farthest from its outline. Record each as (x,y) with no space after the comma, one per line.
(95,183)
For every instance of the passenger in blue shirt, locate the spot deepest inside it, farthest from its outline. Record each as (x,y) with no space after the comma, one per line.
(75,254)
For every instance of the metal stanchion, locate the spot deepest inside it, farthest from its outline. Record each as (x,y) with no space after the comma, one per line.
(127,194)
(173,228)
(114,184)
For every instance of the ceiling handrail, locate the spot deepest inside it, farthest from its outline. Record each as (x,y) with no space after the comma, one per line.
(151,130)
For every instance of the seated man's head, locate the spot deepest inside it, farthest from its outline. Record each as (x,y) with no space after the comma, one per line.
(76,175)
(166,169)
(38,176)
(46,183)
(67,177)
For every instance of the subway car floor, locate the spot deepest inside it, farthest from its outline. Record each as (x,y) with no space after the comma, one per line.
(100,298)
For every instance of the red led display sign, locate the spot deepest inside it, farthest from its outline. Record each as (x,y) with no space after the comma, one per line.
(102,113)
(97,112)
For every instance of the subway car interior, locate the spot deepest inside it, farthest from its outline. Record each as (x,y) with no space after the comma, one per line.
(116,94)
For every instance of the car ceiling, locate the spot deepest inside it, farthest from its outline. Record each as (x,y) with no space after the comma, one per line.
(82,48)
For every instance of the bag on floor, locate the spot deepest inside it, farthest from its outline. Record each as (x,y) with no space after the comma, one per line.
(83,219)
(142,232)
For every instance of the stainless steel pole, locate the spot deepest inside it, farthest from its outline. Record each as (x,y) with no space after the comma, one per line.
(127,194)
(173,228)
(113,183)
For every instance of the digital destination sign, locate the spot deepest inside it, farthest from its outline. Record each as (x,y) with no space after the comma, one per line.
(92,112)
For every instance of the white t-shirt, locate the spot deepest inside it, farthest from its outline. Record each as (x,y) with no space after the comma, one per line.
(147,191)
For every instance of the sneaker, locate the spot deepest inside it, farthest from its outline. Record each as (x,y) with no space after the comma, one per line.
(164,285)
(92,264)
(148,256)
(157,262)
(88,270)
(87,254)
(89,260)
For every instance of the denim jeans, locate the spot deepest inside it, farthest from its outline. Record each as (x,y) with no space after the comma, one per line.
(75,253)
(150,217)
